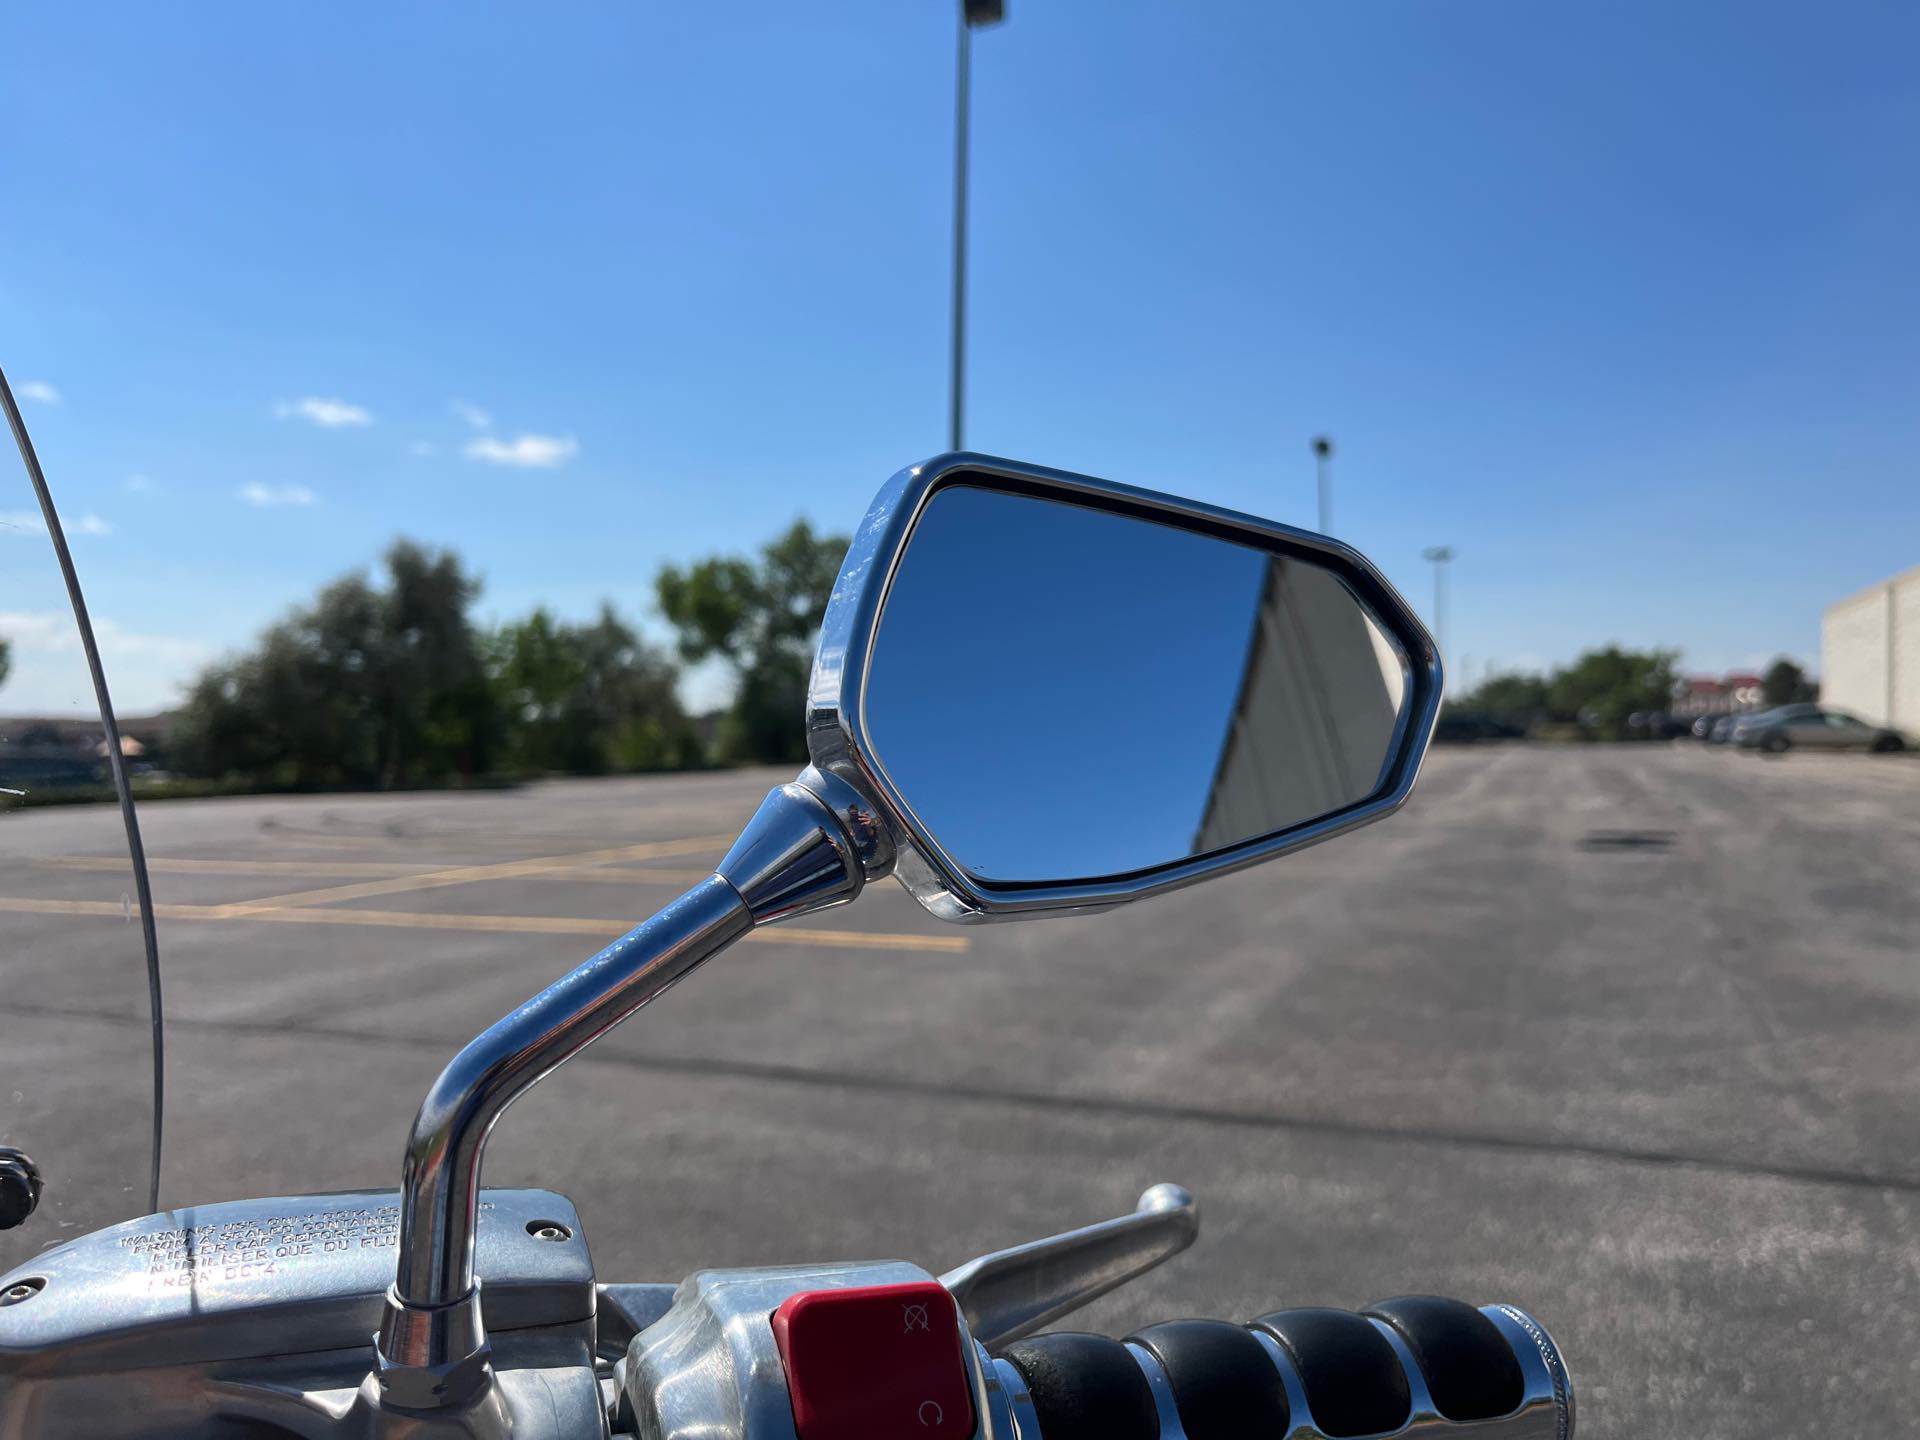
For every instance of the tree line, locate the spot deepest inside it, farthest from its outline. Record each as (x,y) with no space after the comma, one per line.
(389,683)
(1602,689)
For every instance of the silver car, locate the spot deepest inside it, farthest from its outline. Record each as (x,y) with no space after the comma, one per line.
(1813,727)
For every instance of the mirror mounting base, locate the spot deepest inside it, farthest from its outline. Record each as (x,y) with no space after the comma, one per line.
(813,843)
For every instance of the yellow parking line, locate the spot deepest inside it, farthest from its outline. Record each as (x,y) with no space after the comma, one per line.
(159,865)
(163,866)
(628,875)
(21,905)
(861,939)
(470,874)
(485,924)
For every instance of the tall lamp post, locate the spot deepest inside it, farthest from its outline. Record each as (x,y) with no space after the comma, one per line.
(1441,556)
(1323,466)
(973,13)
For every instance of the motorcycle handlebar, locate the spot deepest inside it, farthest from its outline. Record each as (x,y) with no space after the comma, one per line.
(1419,1361)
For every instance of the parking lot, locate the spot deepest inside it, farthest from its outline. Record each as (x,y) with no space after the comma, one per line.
(1628,1036)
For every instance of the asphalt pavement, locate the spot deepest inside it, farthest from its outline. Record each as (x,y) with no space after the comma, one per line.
(1628,1036)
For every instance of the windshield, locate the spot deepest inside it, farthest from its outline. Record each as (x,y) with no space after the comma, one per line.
(79,1071)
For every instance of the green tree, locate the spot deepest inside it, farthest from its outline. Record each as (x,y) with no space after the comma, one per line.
(431,679)
(376,686)
(587,699)
(1517,698)
(1785,683)
(1603,687)
(761,617)
(6,658)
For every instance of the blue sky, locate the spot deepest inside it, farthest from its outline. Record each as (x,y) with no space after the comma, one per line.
(1619,300)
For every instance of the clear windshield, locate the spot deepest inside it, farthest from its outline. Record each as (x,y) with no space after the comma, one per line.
(77,1071)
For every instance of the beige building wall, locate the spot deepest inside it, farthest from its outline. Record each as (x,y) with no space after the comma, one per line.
(1870,653)
(1318,707)
(1906,652)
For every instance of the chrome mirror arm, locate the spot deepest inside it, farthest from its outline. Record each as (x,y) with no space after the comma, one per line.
(1010,1294)
(812,844)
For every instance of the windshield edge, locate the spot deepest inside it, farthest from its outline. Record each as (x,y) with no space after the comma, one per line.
(117,766)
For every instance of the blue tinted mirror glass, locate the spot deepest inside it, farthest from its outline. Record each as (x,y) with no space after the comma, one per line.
(1061,693)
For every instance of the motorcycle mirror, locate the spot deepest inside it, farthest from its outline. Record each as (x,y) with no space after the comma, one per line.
(1061,694)
(1035,692)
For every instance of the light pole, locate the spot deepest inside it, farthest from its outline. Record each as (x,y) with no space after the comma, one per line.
(972,13)
(1441,556)
(1323,465)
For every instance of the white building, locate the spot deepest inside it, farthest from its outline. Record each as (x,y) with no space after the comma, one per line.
(1314,724)
(1870,653)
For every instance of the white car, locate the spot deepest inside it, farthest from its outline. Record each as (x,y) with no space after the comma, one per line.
(1814,727)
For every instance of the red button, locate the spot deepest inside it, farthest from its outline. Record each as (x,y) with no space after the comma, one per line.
(881,1362)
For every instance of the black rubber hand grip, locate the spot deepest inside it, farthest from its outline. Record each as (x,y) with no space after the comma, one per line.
(1311,1372)
(1354,1382)
(1085,1387)
(1469,1368)
(1223,1381)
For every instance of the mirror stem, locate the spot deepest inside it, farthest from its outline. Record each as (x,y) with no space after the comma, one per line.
(810,845)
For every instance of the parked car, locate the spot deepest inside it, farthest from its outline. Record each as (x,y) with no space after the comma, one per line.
(1461,726)
(1703,727)
(1743,723)
(1664,726)
(1722,730)
(1815,728)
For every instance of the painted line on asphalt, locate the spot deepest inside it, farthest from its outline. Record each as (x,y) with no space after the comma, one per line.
(510,869)
(482,924)
(345,869)
(630,875)
(160,865)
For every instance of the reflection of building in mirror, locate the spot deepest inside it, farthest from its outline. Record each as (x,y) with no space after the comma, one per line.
(1313,727)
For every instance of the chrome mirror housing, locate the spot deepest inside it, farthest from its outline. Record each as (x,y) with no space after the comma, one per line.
(1058,694)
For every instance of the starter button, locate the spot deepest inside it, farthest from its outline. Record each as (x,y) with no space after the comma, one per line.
(879,1360)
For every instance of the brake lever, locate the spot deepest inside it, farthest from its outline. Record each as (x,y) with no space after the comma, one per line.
(1012,1293)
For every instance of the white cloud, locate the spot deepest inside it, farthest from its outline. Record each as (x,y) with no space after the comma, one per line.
(49,673)
(138,483)
(28,522)
(39,390)
(530,452)
(254,493)
(327,414)
(46,630)
(472,414)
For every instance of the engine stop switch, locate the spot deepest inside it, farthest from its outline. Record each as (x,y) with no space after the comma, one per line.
(875,1360)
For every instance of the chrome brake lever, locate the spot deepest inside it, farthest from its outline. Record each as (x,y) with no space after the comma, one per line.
(1012,1293)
